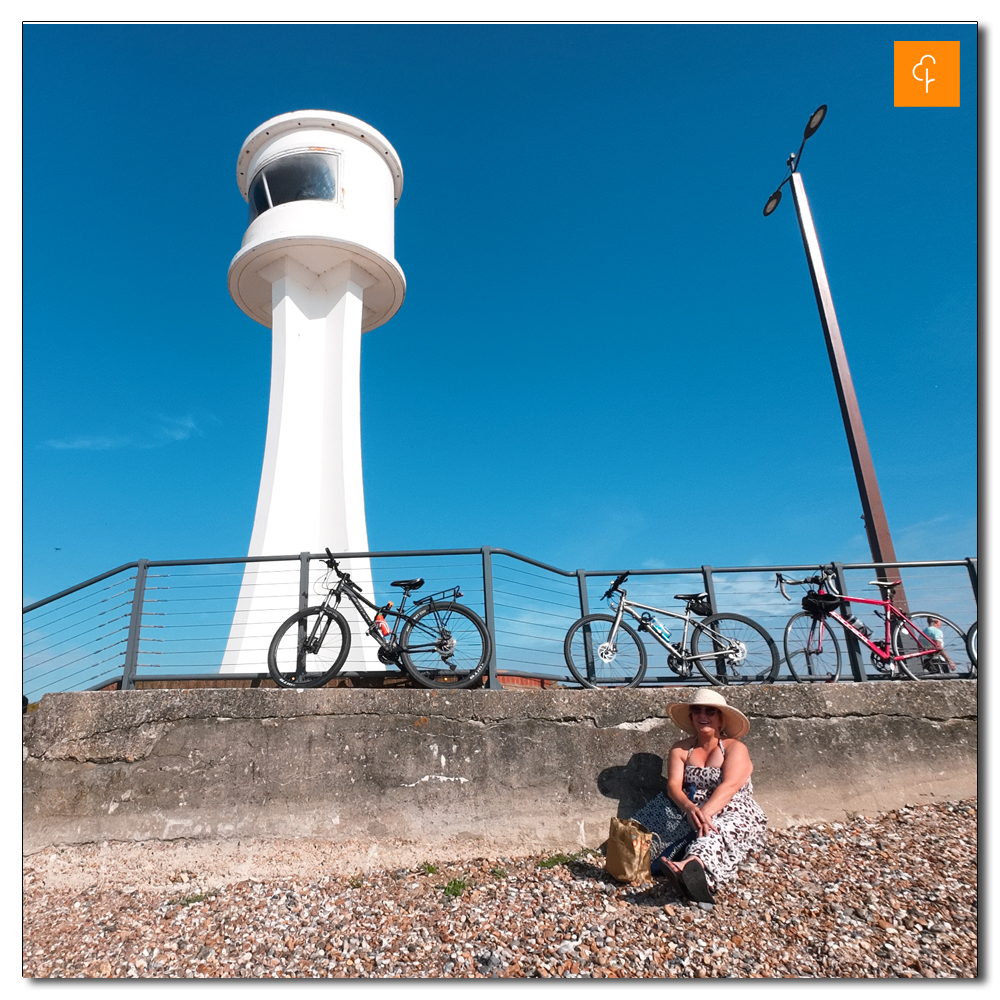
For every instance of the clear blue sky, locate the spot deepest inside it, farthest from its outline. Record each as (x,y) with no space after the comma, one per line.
(606,358)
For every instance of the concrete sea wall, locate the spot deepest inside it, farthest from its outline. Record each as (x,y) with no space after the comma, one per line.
(524,770)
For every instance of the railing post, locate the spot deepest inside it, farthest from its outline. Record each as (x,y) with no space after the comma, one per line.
(134,626)
(972,565)
(300,659)
(581,583)
(706,573)
(853,646)
(491,680)
(588,642)
(303,581)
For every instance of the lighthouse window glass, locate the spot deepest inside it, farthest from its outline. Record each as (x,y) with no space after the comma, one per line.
(296,177)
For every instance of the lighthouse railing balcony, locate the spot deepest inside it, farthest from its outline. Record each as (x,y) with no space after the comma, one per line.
(153,622)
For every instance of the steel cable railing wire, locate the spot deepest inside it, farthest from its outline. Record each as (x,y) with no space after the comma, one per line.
(533,608)
(51,642)
(539,646)
(531,642)
(107,659)
(110,676)
(539,625)
(77,635)
(38,684)
(570,591)
(518,629)
(63,647)
(507,566)
(515,611)
(63,664)
(104,678)
(76,617)
(59,608)
(173,624)
(512,571)
(537,600)
(538,616)
(59,647)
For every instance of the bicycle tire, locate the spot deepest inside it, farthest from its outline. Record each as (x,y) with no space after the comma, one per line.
(623,665)
(812,651)
(972,644)
(933,666)
(445,645)
(752,658)
(292,666)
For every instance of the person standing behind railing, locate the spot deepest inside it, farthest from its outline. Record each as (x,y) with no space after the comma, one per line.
(936,636)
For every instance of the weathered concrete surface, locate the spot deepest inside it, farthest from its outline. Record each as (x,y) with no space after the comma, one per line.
(524,770)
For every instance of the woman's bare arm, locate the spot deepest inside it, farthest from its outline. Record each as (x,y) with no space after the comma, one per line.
(675,774)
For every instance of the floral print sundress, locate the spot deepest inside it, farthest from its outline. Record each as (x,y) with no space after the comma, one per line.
(742,825)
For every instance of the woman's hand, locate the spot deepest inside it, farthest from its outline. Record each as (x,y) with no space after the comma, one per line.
(700,821)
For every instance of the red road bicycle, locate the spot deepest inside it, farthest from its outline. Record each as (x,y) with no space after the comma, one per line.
(910,646)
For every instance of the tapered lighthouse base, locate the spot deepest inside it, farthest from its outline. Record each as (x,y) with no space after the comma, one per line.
(311,490)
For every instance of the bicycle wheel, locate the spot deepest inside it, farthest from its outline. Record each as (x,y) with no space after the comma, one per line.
(746,653)
(309,648)
(951,661)
(445,645)
(597,663)
(811,649)
(971,644)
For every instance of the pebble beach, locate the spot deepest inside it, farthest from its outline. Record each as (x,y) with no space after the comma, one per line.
(887,896)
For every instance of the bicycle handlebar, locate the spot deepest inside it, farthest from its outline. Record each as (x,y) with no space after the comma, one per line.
(826,579)
(335,566)
(619,580)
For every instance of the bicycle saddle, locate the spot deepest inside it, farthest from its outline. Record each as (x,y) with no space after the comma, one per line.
(408,584)
(690,597)
(884,583)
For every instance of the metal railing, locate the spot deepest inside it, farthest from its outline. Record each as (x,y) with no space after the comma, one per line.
(167,620)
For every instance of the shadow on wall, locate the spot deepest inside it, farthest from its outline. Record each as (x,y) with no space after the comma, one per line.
(635,784)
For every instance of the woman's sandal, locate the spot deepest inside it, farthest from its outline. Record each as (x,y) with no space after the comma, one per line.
(660,869)
(695,882)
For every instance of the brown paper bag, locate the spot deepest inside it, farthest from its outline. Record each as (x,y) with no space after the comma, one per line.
(628,851)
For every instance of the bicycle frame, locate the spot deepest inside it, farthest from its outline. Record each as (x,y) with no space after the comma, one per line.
(347,588)
(344,588)
(677,649)
(892,614)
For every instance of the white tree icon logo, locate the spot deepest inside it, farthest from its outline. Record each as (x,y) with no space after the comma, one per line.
(926,79)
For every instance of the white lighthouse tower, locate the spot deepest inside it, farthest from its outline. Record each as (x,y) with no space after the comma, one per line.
(317,266)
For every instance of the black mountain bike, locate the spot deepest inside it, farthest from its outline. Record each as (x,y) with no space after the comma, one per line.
(440,643)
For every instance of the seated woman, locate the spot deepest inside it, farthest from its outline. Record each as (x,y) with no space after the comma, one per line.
(708,777)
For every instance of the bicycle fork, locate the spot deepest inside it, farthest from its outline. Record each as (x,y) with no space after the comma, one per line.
(312,642)
(606,650)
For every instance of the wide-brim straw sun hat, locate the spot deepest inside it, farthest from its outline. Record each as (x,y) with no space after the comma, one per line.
(734,723)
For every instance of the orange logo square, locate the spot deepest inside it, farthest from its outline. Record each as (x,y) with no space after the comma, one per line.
(925,75)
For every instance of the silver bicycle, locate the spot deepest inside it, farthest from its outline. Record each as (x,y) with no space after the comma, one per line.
(604,650)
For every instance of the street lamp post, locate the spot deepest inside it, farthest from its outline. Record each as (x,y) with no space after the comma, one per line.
(876,524)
